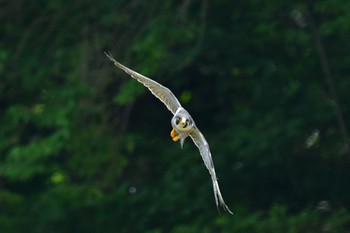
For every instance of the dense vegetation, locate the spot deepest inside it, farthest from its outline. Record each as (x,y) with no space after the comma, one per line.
(85,148)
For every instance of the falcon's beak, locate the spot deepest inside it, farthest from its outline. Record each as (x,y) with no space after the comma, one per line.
(183,120)
(174,135)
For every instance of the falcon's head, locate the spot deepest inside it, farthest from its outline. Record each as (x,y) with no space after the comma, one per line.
(182,127)
(182,123)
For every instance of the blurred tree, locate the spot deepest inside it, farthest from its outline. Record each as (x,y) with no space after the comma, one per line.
(81,151)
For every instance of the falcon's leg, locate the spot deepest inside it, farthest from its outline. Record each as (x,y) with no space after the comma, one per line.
(174,135)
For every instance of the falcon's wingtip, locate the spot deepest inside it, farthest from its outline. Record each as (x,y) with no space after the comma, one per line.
(219,199)
(227,209)
(224,206)
(109,55)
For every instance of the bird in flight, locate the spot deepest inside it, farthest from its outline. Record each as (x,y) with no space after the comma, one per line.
(182,123)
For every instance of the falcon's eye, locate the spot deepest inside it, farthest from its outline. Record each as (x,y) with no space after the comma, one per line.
(177,121)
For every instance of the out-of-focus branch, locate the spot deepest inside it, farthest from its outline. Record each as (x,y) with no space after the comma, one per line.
(329,80)
(200,36)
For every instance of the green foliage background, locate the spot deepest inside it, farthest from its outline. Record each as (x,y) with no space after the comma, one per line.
(85,148)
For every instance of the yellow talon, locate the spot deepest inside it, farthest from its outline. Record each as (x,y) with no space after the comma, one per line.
(176,138)
(174,135)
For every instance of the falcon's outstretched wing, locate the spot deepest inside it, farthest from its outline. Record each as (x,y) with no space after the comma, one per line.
(158,90)
(204,150)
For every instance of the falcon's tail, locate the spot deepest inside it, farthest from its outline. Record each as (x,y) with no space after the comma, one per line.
(218,197)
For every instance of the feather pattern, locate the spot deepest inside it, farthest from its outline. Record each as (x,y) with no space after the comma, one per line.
(203,146)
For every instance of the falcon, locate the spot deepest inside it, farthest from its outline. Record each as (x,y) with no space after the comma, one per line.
(182,123)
